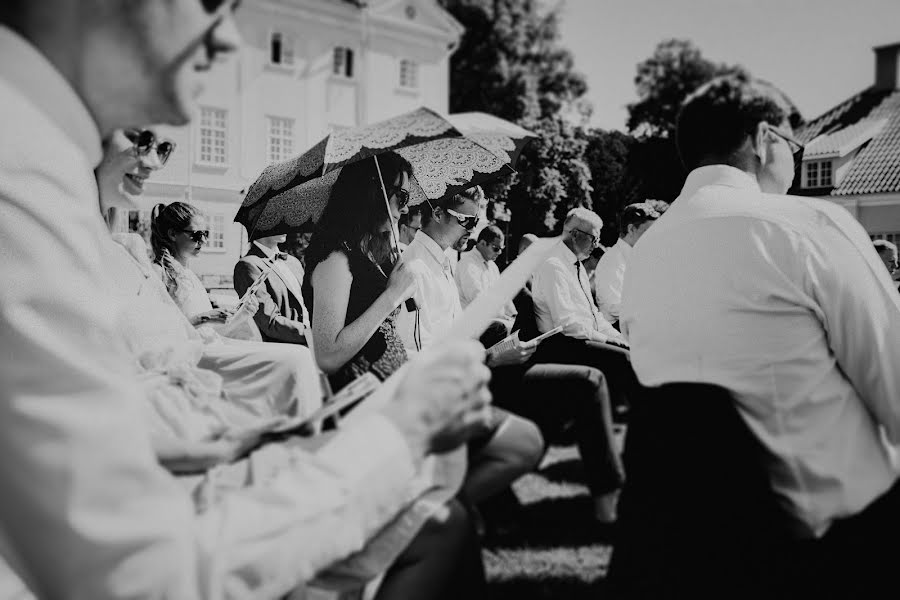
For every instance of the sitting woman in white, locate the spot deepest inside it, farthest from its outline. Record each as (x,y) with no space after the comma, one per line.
(178,233)
(266,379)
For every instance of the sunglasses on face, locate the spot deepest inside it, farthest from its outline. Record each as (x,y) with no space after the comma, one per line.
(497,248)
(144,141)
(402,197)
(467,221)
(200,236)
(796,146)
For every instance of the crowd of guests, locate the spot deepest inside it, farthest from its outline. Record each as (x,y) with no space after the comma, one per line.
(146,446)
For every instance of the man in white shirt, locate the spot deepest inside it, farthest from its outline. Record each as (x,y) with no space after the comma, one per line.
(409,225)
(782,301)
(86,511)
(610,271)
(282,315)
(477,270)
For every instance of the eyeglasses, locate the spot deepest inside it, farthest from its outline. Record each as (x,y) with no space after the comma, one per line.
(144,141)
(497,248)
(467,221)
(402,197)
(796,146)
(198,235)
(595,239)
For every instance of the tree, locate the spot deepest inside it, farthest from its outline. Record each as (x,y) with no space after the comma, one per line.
(615,185)
(510,63)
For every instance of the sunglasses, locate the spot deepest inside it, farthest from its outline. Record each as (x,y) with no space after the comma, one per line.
(402,197)
(467,221)
(144,141)
(497,248)
(199,236)
(796,146)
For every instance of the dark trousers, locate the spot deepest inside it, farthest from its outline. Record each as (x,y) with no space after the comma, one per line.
(613,361)
(553,396)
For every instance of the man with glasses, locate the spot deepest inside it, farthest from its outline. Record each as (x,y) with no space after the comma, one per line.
(409,225)
(783,302)
(86,510)
(477,270)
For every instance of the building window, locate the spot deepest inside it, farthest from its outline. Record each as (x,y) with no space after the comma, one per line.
(817,173)
(812,174)
(213,136)
(281,50)
(409,74)
(342,64)
(216,232)
(825,173)
(281,139)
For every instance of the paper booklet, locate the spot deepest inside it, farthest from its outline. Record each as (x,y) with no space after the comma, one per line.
(470,325)
(512,341)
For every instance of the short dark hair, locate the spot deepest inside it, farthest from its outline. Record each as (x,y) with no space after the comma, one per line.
(413,211)
(637,214)
(715,120)
(490,234)
(473,193)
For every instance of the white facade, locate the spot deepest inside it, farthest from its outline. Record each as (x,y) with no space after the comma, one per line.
(307,66)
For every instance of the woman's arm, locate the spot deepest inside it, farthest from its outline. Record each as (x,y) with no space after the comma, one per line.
(336,343)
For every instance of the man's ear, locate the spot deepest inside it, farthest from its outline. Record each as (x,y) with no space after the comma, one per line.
(758,141)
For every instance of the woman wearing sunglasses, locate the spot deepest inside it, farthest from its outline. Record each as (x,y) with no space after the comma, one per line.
(178,233)
(352,289)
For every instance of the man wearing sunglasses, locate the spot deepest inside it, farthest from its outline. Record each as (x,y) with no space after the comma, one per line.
(477,270)
(782,301)
(86,510)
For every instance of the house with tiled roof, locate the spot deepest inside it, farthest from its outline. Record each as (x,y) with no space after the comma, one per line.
(852,154)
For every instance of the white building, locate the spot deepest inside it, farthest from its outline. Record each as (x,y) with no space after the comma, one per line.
(307,67)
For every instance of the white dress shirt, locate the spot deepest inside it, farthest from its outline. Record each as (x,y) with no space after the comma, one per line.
(86,511)
(436,296)
(562,297)
(608,278)
(474,275)
(783,301)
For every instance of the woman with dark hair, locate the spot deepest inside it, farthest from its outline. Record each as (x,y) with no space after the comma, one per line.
(178,233)
(355,286)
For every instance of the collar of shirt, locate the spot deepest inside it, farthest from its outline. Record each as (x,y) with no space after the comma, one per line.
(270,254)
(718,175)
(28,71)
(432,248)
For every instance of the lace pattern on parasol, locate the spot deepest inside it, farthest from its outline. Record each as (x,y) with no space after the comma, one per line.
(345,144)
(439,164)
(299,204)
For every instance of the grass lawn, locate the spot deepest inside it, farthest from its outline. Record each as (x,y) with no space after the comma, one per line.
(557,551)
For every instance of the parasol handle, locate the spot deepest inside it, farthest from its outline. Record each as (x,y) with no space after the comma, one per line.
(395,243)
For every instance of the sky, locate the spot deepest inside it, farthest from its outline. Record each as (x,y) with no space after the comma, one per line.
(817,51)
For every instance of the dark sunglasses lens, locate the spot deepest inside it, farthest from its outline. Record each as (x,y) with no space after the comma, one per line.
(211,6)
(164,150)
(469,222)
(144,141)
(199,236)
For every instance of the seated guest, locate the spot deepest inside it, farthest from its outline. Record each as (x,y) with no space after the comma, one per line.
(562,294)
(610,273)
(266,379)
(297,243)
(477,270)
(783,302)
(178,233)
(409,224)
(590,266)
(887,252)
(514,445)
(562,298)
(282,316)
(355,290)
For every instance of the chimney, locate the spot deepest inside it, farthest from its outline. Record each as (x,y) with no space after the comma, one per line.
(887,66)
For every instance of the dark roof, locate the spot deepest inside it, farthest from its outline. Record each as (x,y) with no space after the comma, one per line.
(869,120)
